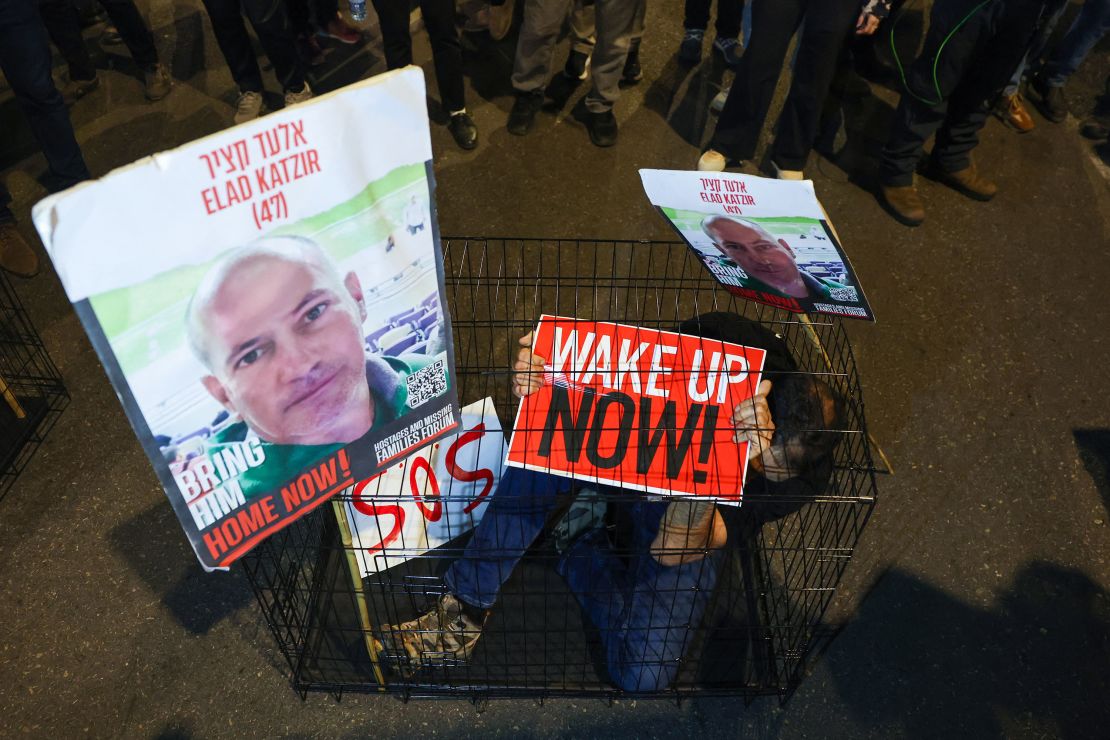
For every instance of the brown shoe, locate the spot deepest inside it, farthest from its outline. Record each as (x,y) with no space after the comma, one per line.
(903,202)
(16,255)
(1011,111)
(967,181)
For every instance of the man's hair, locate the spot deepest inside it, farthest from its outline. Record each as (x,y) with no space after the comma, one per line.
(708,221)
(807,410)
(289,248)
(803,407)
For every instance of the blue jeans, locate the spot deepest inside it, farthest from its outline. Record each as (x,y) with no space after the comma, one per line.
(645,612)
(1089,27)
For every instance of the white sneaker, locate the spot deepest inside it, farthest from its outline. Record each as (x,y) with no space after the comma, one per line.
(248,107)
(782,174)
(712,161)
(718,103)
(292,98)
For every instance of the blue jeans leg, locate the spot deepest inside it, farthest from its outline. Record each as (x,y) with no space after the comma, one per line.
(516,515)
(646,613)
(1089,27)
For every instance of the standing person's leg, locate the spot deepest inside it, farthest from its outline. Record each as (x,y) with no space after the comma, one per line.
(393,18)
(969,108)
(64,26)
(924,103)
(741,120)
(1092,23)
(134,31)
(6,215)
(543,19)
(583,37)
(140,41)
(439,20)
(633,72)
(828,25)
(25,61)
(695,22)
(231,36)
(730,13)
(614,36)
(275,32)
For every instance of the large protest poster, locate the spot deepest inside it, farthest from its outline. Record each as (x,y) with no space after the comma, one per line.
(268,303)
(430,497)
(638,408)
(764,240)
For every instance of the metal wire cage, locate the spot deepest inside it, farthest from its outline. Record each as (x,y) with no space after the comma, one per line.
(31,388)
(579,602)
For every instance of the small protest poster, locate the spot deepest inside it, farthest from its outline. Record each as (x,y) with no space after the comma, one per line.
(637,408)
(431,497)
(268,303)
(765,240)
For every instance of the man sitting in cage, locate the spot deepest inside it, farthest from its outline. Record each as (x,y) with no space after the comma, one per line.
(645,581)
(769,263)
(280,333)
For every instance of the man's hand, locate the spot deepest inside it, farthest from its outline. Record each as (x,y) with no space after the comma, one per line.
(752,421)
(867,24)
(527,370)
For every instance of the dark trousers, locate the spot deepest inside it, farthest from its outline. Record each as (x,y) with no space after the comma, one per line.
(976,63)
(728,16)
(275,32)
(25,61)
(828,23)
(439,19)
(64,27)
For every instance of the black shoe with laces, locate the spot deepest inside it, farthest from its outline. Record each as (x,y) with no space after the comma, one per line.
(689,51)
(524,111)
(602,126)
(464,131)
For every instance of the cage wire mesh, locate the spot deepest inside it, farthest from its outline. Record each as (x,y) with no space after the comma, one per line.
(570,587)
(32,395)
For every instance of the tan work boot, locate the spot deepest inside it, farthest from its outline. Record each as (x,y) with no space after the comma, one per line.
(903,202)
(1011,110)
(687,531)
(16,255)
(967,181)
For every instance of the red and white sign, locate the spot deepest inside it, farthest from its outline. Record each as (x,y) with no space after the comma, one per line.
(638,408)
(430,497)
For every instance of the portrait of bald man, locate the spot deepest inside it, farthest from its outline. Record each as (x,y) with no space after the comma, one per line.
(770,264)
(280,331)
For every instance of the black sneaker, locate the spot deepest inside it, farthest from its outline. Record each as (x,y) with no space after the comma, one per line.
(730,50)
(602,126)
(524,111)
(578,65)
(464,131)
(632,71)
(689,50)
(1050,100)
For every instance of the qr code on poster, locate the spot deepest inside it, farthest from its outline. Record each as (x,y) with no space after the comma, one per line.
(427,383)
(847,293)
